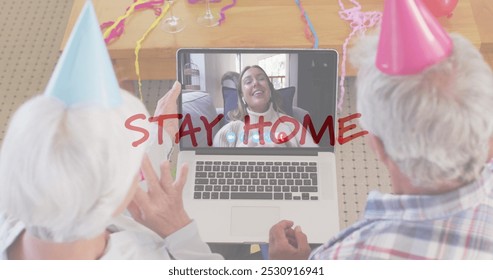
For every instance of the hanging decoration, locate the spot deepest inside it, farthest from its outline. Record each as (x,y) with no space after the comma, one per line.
(223,11)
(359,22)
(114,29)
(139,45)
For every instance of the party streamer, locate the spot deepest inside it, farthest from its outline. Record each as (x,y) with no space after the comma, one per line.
(197,1)
(310,33)
(359,22)
(139,45)
(114,29)
(224,9)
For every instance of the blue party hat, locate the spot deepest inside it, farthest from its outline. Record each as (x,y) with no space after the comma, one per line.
(84,75)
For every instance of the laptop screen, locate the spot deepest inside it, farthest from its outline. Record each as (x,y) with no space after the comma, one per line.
(280,100)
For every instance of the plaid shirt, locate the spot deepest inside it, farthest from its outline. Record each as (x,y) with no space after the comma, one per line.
(453,225)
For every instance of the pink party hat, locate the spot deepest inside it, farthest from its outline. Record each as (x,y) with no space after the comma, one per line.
(411,39)
(84,75)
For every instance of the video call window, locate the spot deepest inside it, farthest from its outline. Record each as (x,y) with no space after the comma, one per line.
(293,90)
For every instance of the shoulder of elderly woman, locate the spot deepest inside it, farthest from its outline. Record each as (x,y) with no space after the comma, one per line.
(10,229)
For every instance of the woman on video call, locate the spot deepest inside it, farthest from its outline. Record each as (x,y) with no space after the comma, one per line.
(257,98)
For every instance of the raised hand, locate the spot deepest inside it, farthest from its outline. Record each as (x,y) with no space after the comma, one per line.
(161,207)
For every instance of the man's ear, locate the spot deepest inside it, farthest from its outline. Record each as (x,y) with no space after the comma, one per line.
(378,147)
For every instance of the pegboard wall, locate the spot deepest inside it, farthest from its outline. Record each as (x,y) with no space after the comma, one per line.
(358,170)
(31,32)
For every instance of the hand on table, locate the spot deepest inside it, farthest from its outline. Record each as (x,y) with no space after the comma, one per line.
(161,207)
(286,243)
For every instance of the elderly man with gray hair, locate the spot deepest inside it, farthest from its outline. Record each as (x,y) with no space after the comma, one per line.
(433,130)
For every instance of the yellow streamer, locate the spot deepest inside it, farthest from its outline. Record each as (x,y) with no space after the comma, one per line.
(139,46)
(126,15)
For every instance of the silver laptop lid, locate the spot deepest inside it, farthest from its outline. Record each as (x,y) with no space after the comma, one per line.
(297,119)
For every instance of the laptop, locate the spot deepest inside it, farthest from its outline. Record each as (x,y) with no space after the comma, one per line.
(243,181)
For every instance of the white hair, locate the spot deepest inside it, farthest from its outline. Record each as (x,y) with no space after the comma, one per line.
(434,125)
(65,171)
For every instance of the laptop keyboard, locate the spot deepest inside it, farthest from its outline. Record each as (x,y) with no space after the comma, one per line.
(265,180)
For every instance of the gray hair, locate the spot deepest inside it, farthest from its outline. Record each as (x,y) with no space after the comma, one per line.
(434,125)
(64,172)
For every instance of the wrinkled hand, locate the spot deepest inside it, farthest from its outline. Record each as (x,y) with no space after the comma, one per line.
(286,243)
(166,106)
(161,207)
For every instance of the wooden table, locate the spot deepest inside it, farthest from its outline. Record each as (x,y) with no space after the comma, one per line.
(250,24)
(483,14)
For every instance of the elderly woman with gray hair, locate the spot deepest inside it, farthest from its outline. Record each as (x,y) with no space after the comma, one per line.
(433,130)
(68,169)
(66,176)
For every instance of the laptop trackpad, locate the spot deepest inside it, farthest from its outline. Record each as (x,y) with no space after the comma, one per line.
(253,221)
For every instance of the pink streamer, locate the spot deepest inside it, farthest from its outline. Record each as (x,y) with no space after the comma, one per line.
(224,9)
(197,1)
(151,5)
(359,22)
(310,34)
(107,24)
(118,30)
